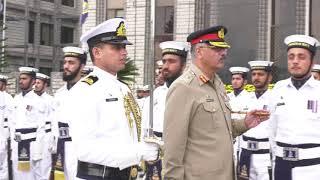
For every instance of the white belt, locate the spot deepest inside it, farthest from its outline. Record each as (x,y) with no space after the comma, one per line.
(294,154)
(47,126)
(19,136)
(5,124)
(254,145)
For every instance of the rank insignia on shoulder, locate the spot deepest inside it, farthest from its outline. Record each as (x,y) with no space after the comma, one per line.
(90,80)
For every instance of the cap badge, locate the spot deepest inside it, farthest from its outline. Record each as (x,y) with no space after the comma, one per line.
(121,30)
(221,33)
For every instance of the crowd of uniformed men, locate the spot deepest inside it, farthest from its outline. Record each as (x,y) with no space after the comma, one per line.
(94,128)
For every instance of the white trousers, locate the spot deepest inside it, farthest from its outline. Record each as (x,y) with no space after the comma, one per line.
(259,167)
(306,173)
(3,160)
(71,162)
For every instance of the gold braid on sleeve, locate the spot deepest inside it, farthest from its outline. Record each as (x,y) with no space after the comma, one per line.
(132,108)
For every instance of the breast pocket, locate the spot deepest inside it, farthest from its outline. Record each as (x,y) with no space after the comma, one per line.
(208,115)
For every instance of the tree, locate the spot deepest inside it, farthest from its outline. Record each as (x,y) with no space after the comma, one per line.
(128,73)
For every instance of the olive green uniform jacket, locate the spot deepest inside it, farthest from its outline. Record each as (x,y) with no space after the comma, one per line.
(198,130)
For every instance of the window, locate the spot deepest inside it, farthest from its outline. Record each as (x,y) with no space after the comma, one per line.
(48,0)
(112,13)
(46,34)
(31,32)
(164,27)
(66,35)
(164,20)
(114,8)
(67,3)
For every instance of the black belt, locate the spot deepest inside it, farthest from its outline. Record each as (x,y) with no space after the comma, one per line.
(283,168)
(246,138)
(301,146)
(260,151)
(254,142)
(158,134)
(86,170)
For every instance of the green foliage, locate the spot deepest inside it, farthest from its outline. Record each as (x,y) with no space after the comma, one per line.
(129,72)
(248,87)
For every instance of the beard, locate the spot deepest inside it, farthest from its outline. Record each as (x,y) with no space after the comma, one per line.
(169,80)
(71,76)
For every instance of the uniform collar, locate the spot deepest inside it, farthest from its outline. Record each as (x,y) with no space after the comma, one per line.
(202,79)
(164,86)
(311,82)
(103,73)
(30,93)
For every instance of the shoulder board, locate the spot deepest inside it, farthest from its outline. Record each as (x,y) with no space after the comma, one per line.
(123,82)
(90,79)
(188,77)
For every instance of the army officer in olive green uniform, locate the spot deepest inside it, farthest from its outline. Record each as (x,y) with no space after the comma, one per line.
(198,130)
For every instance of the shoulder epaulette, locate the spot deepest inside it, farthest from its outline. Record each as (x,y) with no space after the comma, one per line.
(90,79)
(123,82)
(188,77)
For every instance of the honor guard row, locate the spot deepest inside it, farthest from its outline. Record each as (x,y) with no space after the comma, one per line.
(294,122)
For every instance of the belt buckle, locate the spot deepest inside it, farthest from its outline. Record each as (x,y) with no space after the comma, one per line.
(63,132)
(290,154)
(252,145)
(17,137)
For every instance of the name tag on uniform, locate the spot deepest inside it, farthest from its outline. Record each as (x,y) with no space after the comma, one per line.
(280,104)
(111,99)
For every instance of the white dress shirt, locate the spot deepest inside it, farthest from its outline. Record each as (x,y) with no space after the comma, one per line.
(292,120)
(262,130)
(99,125)
(159,102)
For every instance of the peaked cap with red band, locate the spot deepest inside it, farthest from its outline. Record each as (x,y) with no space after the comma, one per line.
(213,36)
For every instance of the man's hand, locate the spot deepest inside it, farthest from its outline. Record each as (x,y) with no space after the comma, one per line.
(255,117)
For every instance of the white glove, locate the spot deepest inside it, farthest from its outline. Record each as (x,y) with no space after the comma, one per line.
(37,150)
(148,151)
(52,144)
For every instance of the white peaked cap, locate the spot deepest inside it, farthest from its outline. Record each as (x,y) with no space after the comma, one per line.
(42,76)
(316,68)
(28,70)
(238,70)
(112,31)
(263,65)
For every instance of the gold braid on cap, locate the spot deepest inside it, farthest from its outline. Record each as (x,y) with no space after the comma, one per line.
(131,108)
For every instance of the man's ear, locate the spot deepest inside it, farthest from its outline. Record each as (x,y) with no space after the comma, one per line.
(33,81)
(96,52)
